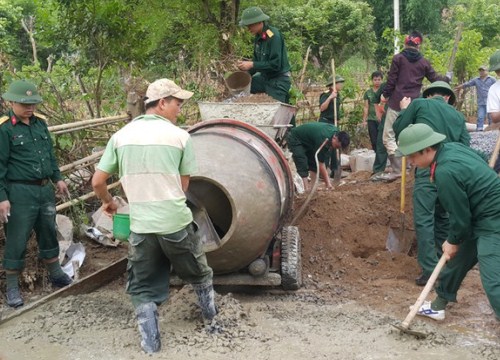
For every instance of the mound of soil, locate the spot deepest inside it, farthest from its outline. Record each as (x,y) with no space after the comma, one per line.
(344,254)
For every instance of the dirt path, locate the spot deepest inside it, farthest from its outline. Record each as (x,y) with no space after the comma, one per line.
(264,325)
(353,290)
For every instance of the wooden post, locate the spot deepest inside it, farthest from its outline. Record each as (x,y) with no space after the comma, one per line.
(302,73)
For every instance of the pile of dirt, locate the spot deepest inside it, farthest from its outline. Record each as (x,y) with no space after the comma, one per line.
(254,99)
(344,254)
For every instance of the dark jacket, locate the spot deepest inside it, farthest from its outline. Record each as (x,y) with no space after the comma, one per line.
(408,69)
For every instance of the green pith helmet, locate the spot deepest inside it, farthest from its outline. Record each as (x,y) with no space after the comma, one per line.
(338,79)
(252,15)
(442,85)
(23,92)
(417,137)
(495,61)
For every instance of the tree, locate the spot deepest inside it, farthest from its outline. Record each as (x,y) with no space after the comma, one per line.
(104,32)
(333,28)
(421,15)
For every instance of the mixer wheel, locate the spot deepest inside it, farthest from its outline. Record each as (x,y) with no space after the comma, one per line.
(291,264)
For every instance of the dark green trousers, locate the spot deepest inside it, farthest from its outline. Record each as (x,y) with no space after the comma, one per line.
(303,158)
(151,256)
(431,222)
(380,162)
(278,88)
(32,208)
(486,250)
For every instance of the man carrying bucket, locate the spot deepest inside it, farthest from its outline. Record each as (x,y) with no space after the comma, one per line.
(154,159)
(28,168)
(270,67)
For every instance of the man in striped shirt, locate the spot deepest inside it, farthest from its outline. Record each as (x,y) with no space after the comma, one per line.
(154,159)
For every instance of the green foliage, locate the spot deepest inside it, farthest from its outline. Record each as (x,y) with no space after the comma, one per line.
(104,30)
(333,28)
(10,15)
(421,15)
(482,16)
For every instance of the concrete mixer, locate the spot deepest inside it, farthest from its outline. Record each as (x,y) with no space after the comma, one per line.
(242,197)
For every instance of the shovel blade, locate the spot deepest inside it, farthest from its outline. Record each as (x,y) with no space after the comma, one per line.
(399,240)
(417,334)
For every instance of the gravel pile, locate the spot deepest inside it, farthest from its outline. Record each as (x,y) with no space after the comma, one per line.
(484,141)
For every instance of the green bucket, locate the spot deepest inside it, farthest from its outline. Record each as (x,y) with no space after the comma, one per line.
(121,226)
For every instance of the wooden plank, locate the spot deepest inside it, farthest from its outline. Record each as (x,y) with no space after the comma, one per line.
(84,286)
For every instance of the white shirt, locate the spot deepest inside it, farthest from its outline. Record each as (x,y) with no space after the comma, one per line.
(493,103)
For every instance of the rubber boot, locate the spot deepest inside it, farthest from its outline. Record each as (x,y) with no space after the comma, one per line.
(14,298)
(206,300)
(147,319)
(396,163)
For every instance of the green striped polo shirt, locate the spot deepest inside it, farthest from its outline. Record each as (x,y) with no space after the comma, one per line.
(150,154)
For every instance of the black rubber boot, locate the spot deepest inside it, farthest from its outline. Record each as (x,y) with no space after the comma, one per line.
(60,281)
(206,300)
(422,280)
(147,319)
(14,298)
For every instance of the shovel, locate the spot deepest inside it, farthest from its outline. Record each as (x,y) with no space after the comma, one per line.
(399,240)
(405,325)
(337,174)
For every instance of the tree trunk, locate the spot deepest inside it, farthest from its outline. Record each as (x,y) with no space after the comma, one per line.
(226,23)
(29,26)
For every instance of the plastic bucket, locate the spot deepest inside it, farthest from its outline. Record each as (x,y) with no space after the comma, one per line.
(121,226)
(239,82)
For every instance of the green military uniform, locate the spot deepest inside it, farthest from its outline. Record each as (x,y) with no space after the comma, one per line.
(380,162)
(430,219)
(305,140)
(27,163)
(327,116)
(271,69)
(470,191)
(372,120)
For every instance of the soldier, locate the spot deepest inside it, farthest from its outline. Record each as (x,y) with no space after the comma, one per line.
(327,114)
(28,168)
(326,100)
(305,140)
(430,219)
(270,67)
(469,191)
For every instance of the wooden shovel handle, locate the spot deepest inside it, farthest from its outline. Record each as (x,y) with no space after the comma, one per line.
(424,293)
(494,156)
(403,184)
(334,89)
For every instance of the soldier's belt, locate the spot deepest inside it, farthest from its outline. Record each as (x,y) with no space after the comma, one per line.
(39,182)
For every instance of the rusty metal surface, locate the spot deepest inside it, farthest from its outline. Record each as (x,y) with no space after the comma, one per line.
(245,186)
(269,117)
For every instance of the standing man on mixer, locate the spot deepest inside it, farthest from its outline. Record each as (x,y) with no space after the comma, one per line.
(269,66)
